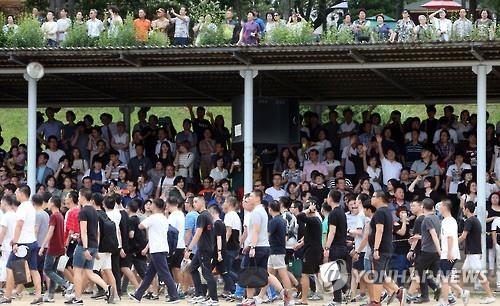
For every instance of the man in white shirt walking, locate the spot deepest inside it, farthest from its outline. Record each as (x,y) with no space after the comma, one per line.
(94,25)
(24,239)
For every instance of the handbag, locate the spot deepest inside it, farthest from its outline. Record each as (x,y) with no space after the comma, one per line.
(295,266)
(20,272)
(62,261)
(329,271)
(253,276)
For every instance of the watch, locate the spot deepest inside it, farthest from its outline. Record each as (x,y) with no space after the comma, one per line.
(252,247)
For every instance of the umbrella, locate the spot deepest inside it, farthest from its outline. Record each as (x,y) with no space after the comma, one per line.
(446,4)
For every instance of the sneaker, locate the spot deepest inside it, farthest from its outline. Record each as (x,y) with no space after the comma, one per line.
(37,301)
(74,301)
(437,294)
(451,299)
(69,289)
(109,294)
(172,301)
(248,302)
(182,296)
(48,299)
(487,300)
(99,295)
(315,297)
(410,298)
(69,296)
(421,300)
(4,300)
(151,296)
(332,303)
(197,300)
(133,297)
(465,297)
(442,304)
(210,302)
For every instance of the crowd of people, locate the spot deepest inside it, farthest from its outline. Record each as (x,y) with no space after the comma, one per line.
(128,216)
(182,31)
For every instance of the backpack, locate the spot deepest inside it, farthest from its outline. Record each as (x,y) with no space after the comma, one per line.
(108,243)
(173,238)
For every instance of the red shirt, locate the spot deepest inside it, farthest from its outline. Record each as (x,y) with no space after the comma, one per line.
(56,243)
(72,224)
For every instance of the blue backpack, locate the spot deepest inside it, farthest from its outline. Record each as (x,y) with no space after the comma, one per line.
(173,238)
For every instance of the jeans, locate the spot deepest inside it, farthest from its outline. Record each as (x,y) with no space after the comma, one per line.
(181,41)
(228,260)
(203,259)
(49,267)
(115,268)
(158,265)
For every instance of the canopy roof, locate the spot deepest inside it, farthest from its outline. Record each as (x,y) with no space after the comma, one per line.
(316,73)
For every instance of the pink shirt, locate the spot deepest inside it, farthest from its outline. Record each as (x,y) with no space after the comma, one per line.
(309,167)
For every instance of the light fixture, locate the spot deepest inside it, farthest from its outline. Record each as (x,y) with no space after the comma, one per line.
(35,70)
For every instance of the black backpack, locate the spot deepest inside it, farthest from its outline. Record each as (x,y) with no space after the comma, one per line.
(108,242)
(173,238)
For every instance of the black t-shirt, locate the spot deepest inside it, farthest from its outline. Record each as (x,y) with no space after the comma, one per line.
(205,222)
(401,247)
(337,217)
(277,235)
(89,214)
(138,243)
(220,230)
(491,213)
(417,230)
(473,241)
(313,233)
(321,194)
(124,230)
(382,216)
(200,125)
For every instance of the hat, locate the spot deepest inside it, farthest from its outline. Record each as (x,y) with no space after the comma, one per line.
(162,10)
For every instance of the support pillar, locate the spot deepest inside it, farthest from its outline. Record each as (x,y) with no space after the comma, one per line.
(248,76)
(127,111)
(34,72)
(481,72)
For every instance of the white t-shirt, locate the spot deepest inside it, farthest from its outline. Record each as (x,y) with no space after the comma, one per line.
(116,217)
(259,216)
(275,193)
(54,157)
(456,176)
(346,127)
(453,136)
(350,168)
(355,222)
(246,222)
(9,221)
(374,174)
(27,213)
(178,220)
(166,185)
(63,25)
(422,136)
(495,226)
(390,170)
(232,220)
(157,227)
(449,228)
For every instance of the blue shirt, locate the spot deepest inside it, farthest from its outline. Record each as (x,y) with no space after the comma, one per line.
(277,235)
(190,225)
(40,175)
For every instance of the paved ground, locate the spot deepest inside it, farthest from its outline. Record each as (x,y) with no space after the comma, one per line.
(474,301)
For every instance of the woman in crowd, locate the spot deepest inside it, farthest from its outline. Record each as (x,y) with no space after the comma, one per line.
(207,148)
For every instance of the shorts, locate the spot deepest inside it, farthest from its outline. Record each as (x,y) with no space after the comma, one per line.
(79,260)
(276,261)
(260,259)
(472,263)
(3,263)
(381,267)
(446,267)
(103,263)
(360,263)
(175,260)
(311,262)
(31,257)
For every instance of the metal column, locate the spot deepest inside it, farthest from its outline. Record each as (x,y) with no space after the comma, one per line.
(127,111)
(32,143)
(481,72)
(248,76)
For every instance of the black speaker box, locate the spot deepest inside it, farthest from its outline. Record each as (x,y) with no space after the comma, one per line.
(275,121)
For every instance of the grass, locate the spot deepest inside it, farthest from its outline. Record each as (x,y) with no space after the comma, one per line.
(14,120)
